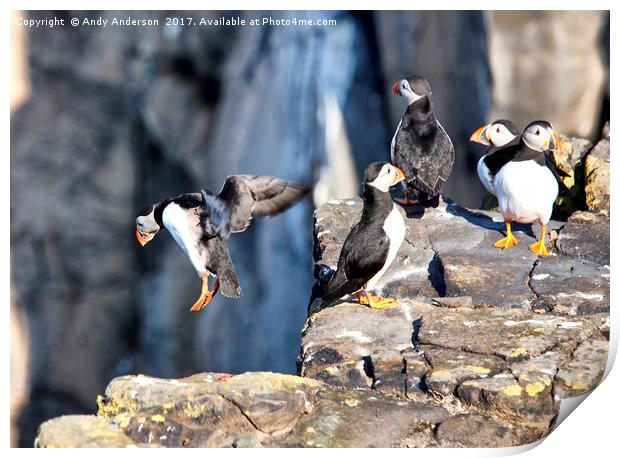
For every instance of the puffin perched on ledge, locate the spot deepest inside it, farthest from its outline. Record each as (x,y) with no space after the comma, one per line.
(526,181)
(495,135)
(372,243)
(201,223)
(421,147)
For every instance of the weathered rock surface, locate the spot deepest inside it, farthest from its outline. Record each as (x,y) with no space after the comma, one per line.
(597,173)
(503,335)
(479,351)
(248,410)
(585,236)
(81,431)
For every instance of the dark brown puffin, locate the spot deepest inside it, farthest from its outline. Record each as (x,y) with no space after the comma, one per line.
(421,147)
(201,222)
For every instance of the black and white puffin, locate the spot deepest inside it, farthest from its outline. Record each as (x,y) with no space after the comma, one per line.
(526,181)
(495,135)
(372,243)
(201,222)
(421,148)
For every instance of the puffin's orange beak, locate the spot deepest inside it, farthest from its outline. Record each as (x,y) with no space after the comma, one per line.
(395,88)
(481,135)
(141,239)
(400,176)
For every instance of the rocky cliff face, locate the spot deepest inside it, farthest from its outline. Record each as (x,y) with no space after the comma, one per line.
(480,350)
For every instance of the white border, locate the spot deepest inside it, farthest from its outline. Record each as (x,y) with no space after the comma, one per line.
(590,430)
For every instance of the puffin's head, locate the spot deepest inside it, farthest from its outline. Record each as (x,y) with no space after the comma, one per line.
(382,175)
(498,133)
(412,88)
(540,136)
(146,226)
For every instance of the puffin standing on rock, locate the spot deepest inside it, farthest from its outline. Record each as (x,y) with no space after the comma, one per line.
(421,147)
(201,223)
(526,181)
(373,242)
(495,135)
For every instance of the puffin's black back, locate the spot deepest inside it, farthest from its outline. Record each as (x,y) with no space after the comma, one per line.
(422,149)
(365,249)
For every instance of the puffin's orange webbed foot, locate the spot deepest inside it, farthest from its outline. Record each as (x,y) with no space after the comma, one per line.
(201,302)
(378,302)
(507,241)
(205,295)
(361,298)
(539,248)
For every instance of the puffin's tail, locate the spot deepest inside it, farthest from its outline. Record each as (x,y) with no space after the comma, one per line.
(229,283)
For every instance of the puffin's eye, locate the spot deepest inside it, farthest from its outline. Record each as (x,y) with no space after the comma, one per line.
(497,130)
(537,131)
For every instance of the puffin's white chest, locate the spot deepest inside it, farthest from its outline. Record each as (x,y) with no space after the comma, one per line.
(177,221)
(394,227)
(526,192)
(485,176)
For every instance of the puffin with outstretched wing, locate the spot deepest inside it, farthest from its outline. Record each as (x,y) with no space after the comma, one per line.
(201,223)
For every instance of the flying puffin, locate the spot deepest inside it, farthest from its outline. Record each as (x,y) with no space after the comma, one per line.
(421,147)
(202,222)
(372,243)
(495,135)
(526,181)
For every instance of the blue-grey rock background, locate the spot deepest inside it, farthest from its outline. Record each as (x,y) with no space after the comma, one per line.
(113,119)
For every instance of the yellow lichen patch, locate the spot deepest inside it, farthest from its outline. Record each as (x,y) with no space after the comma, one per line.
(534,388)
(577,385)
(310,430)
(115,406)
(167,406)
(512,390)
(158,418)
(478,369)
(351,402)
(193,410)
(122,419)
(538,329)
(518,351)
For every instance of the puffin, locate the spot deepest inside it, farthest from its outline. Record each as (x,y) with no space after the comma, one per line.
(372,243)
(525,181)
(495,135)
(201,223)
(421,148)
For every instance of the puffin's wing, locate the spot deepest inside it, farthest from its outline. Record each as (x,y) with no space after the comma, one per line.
(243,197)
(435,168)
(445,160)
(270,195)
(361,257)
